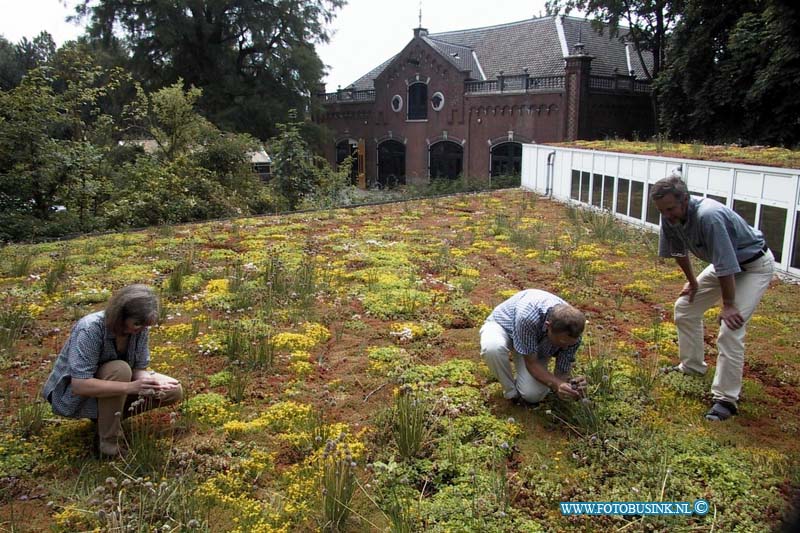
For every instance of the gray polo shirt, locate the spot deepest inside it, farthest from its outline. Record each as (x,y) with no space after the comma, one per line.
(713,233)
(90,345)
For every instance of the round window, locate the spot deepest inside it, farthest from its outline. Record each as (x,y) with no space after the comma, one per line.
(397,103)
(437,101)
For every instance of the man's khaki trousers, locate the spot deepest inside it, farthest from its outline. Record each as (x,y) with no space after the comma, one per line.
(750,287)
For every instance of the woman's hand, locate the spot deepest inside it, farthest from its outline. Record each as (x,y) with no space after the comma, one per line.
(150,383)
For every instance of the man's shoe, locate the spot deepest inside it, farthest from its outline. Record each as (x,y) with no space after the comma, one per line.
(681,370)
(720,411)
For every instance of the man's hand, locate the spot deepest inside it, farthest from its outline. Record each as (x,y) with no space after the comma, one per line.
(689,289)
(579,383)
(731,316)
(566,392)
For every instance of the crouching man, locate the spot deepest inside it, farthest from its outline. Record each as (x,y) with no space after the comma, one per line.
(536,326)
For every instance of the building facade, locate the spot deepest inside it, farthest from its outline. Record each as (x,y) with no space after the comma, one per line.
(462,103)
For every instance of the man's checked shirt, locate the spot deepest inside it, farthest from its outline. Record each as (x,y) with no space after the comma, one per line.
(523,316)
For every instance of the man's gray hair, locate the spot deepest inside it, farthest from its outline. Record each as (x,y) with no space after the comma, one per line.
(564,318)
(133,301)
(672,184)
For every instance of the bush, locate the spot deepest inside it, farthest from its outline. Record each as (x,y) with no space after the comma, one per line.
(180,191)
(294,172)
(505,182)
(451,186)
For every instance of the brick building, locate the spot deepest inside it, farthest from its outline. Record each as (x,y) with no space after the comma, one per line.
(462,102)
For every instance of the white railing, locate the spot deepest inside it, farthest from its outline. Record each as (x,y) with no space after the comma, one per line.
(767,197)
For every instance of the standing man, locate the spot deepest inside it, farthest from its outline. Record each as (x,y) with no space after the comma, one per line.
(537,326)
(740,271)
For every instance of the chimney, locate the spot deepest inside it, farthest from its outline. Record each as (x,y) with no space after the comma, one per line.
(420,32)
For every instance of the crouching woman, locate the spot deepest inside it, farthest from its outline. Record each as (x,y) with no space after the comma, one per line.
(102,368)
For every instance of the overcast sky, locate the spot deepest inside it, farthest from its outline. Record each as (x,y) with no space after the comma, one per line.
(365,32)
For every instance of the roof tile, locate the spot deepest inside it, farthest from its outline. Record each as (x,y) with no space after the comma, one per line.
(533,44)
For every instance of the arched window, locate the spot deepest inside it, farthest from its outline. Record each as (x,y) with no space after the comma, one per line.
(506,159)
(417,101)
(446,160)
(391,164)
(344,149)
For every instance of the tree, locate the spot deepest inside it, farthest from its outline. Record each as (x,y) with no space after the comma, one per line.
(734,73)
(54,135)
(252,59)
(10,69)
(689,85)
(168,116)
(17,59)
(195,172)
(294,168)
(39,167)
(776,81)
(37,52)
(650,22)
(332,188)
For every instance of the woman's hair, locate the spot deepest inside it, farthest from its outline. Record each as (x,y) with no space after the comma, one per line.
(672,184)
(133,301)
(564,318)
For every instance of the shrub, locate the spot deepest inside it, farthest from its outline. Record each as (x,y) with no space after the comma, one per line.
(294,167)
(154,193)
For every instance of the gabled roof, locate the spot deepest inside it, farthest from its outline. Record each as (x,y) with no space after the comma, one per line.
(367,80)
(461,57)
(537,44)
(609,52)
(260,156)
(532,43)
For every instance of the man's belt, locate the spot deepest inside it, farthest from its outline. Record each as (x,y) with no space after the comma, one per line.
(758,254)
